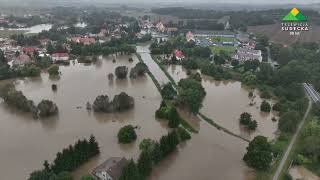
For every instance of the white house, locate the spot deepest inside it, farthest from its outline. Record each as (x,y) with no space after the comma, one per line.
(160,27)
(111,169)
(246,54)
(60,57)
(189,36)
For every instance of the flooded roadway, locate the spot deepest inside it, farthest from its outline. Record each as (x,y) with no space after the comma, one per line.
(144,52)
(209,155)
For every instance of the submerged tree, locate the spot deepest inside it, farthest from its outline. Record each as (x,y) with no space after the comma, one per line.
(144,164)
(121,72)
(47,108)
(127,134)
(265,106)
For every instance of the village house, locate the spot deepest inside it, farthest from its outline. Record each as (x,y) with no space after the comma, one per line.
(3,20)
(21,60)
(179,55)
(30,50)
(44,41)
(111,169)
(83,40)
(189,36)
(245,41)
(160,27)
(147,24)
(103,33)
(246,54)
(172,30)
(60,57)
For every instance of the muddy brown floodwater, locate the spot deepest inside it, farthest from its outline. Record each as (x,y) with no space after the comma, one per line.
(25,143)
(226,100)
(210,154)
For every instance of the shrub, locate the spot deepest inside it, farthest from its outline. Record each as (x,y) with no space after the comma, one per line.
(183,134)
(121,72)
(277,107)
(127,134)
(245,118)
(168,91)
(265,106)
(253,125)
(53,70)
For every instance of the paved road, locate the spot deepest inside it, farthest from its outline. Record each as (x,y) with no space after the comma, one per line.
(294,138)
(312,92)
(160,76)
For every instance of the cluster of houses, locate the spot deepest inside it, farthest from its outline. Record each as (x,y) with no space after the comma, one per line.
(4,20)
(245,47)
(247,51)
(18,56)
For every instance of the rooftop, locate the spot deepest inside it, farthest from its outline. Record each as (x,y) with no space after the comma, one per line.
(113,166)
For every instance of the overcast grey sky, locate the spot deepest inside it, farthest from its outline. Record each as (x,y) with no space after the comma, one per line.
(231,1)
(153,3)
(184,1)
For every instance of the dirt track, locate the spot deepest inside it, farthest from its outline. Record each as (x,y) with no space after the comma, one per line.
(275,34)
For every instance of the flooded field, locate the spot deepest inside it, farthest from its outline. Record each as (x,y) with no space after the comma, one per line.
(25,143)
(226,101)
(211,154)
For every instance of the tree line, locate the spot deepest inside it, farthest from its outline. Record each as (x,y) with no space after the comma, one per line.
(68,159)
(179,43)
(152,152)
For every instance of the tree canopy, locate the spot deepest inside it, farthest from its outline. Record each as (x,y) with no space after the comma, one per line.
(259,154)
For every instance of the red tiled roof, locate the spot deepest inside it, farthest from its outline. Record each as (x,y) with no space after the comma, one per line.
(29,50)
(178,54)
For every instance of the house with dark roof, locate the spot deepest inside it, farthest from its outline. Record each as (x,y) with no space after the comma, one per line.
(111,169)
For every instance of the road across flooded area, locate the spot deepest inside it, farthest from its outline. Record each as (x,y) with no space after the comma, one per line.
(227,100)
(144,52)
(25,143)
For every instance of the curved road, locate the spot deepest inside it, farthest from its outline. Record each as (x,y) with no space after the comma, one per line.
(293,140)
